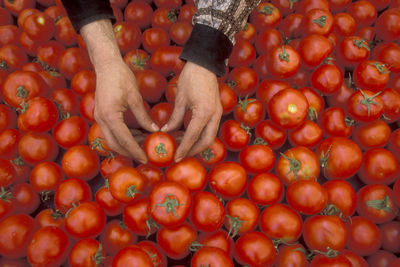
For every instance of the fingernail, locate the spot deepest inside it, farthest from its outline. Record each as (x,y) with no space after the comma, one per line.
(164,128)
(155,127)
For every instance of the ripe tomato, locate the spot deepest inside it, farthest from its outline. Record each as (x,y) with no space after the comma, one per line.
(364,12)
(36,147)
(394,144)
(321,232)
(160,148)
(284,61)
(66,100)
(166,61)
(288,108)
(136,216)
(265,189)
(39,27)
(170,203)
(161,113)
(241,216)
(211,256)
(126,184)
(70,132)
(180,32)
(341,198)
(234,135)
(128,36)
(344,24)
(85,220)
(9,140)
(309,134)
(9,34)
(243,54)
(111,206)
(371,75)
(265,15)
(340,157)
(139,12)
(363,236)
(15,235)
(50,217)
(255,249)
(297,163)
(86,107)
(132,256)
(151,85)
(46,176)
(96,140)
(327,79)
(313,49)
(267,40)
(8,117)
(73,60)
(153,250)
(390,236)
(81,162)
(291,255)
(228,179)
(271,134)
(391,100)
(334,122)
(137,60)
(12,57)
(257,158)
(201,218)
(281,222)
(115,237)
(243,80)
(324,261)
(268,88)
(163,17)
(71,191)
(217,239)
(372,135)
(48,247)
(214,154)
(386,25)
(86,252)
(249,112)
(317,21)
(315,101)
(355,259)
(352,50)
(379,166)
(186,12)
(175,241)
(83,82)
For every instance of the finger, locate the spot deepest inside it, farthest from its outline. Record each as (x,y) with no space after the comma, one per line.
(177,115)
(193,131)
(142,116)
(125,138)
(111,140)
(207,136)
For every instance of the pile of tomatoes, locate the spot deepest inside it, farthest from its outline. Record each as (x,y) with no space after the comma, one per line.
(304,170)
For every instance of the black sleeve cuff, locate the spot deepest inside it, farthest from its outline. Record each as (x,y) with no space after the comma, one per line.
(208,48)
(82,12)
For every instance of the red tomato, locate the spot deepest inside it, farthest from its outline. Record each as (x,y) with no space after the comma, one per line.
(390,236)
(9,34)
(234,135)
(97,141)
(166,61)
(180,32)
(73,60)
(341,198)
(136,217)
(243,54)
(297,163)
(267,40)
(391,100)
(309,134)
(371,75)
(228,179)
(50,217)
(327,79)
(281,222)
(386,25)
(15,7)
(186,12)
(86,252)
(161,113)
(132,256)
(71,191)
(139,12)
(265,189)
(7,173)
(344,24)
(9,140)
(115,237)
(46,176)
(334,122)
(128,36)
(81,162)
(112,163)
(127,184)
(153,250)
(271,134)
(71,132)
(372,135)
(201,218)
(268,88)
(355,259)
(324,261)
(211,256)
(317,21)
(37,147)
(217,239)
(364,12)
(163,17)
(241,216)
(137,60)
(313,49)
(352,50)
(394,144)
(255,249)
(107,202)
(8,118)
(152,174)
(227,96)
(170,203)
(265,15)
(284,61)
(66,100)
(291,255)
(214,154)
(48,247)
(257,158)
(363,236)
(249,112)
(151,85)
(168,3)
(243,80)
(160,148)
(39,27)
(83,82)
(86,107)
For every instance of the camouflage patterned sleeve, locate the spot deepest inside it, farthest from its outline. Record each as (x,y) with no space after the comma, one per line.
(215,24)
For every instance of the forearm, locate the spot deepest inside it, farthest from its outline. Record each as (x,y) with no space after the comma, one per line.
(100,42)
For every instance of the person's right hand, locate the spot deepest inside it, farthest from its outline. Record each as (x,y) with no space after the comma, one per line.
(117,91)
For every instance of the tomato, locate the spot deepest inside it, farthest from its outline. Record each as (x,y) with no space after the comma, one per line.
(180,32)
(267,40)
(390,236)
(268,88)
(97,141)
(22,170)
(372,135)
(243,54)
(136,216)
(25,199)
(334,122)
(22,86)
(163,17)
(15,235)
(137,60)
(313,49)
(128,36)
(227,96)
(280,222)
(56,11)
(367,33)
(154,251)
(86,107)
(9,34)
(271,134)
(166,61)
(241,216)
(387,28)
(110,205)
(352,50)
(344,25)
(112,163)
(46,176)
(216,153)
(315,101)
(363,236)
(391,100)
(37,147)
(66,101)
(28,44)
(327,79)
(160,148)
(71,191)
(175,241)
(317,21)
(234,135)
(342,198)
(297,163)
(9,140)
(161,113)
(86,252)
(309,134)
(15,7)
(139,12)
(249,112)
(257,158)
(340,157)
(153,175)
(248,33)
(243,80)
(265,15)
(379,166)
(371,75)
(7,173)
(201,218)
(291,255)
(186,12)
(228,179)
(115,237)
(53,79)
(255,249)
(355,259)
(260,66)
(5,17)
(364,12)
(7,206)
(324,261)
(48,247)
(284,61)
(154,38)
(12,57)
(39,114)
(126,184)
(50,217)
(70,132)
(80,161)
(151,85)
(85,220)
(321,232)
(211,256)
(8,117)
(288,108)
(265,189)
(381,258)
(39,27)
(72,60)
(394,143)
(83,82)
(387,52)
(132,256)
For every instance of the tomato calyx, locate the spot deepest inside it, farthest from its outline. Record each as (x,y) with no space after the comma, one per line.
(246,128)
(294,164)
(138,62)
(61,113)
(195,246)
(5,195)
(312,114)
(260,141)
(97,144)
(279,241)
(349,122)
(150,223)
(367,101)
(3,65)
(380,204)
(171,15)
(98,258)
(74,205)
(207,154)
(243,103)
(22,92)
(160,150)
(56,214)
(382,68)
(45,66)
(361,44)
(45,195)
(323,160)
(292,3)
(170,204)
(18,161)
(330,253)
(131,191)
(321,21)
(332,209)
(235,225)
(266,10)
(284,56)
(23,107)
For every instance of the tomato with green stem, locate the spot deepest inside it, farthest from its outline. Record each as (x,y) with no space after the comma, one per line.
(137,60)
(284,61)
(327,78)
(50,217)
(69,191)
(128,36)
(243,54)
(207,256)
(234,135)
(291,255)
(160,148)
(241,216)
(265,15)
(317,21)
(249,111)
(334,122)
(371,75)
(86,252)
(214,154)
(387,53)
(163,17)
(200,216)
(243,80)
(126,184)
(109,204)
(313,49)
(154,251)
(342,198)
(352,50)
(115,237)
(326,260)
(136,216)
(218,239)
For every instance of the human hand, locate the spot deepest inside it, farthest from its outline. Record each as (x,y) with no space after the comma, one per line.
(116,91)
(198,91)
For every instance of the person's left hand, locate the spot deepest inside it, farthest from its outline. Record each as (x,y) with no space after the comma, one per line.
(198,91)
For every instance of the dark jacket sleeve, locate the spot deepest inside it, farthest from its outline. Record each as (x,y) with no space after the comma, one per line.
(82,12)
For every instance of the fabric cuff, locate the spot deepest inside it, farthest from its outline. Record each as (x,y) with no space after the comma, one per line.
(208,48)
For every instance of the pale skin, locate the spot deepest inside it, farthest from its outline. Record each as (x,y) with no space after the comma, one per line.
(117,91)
